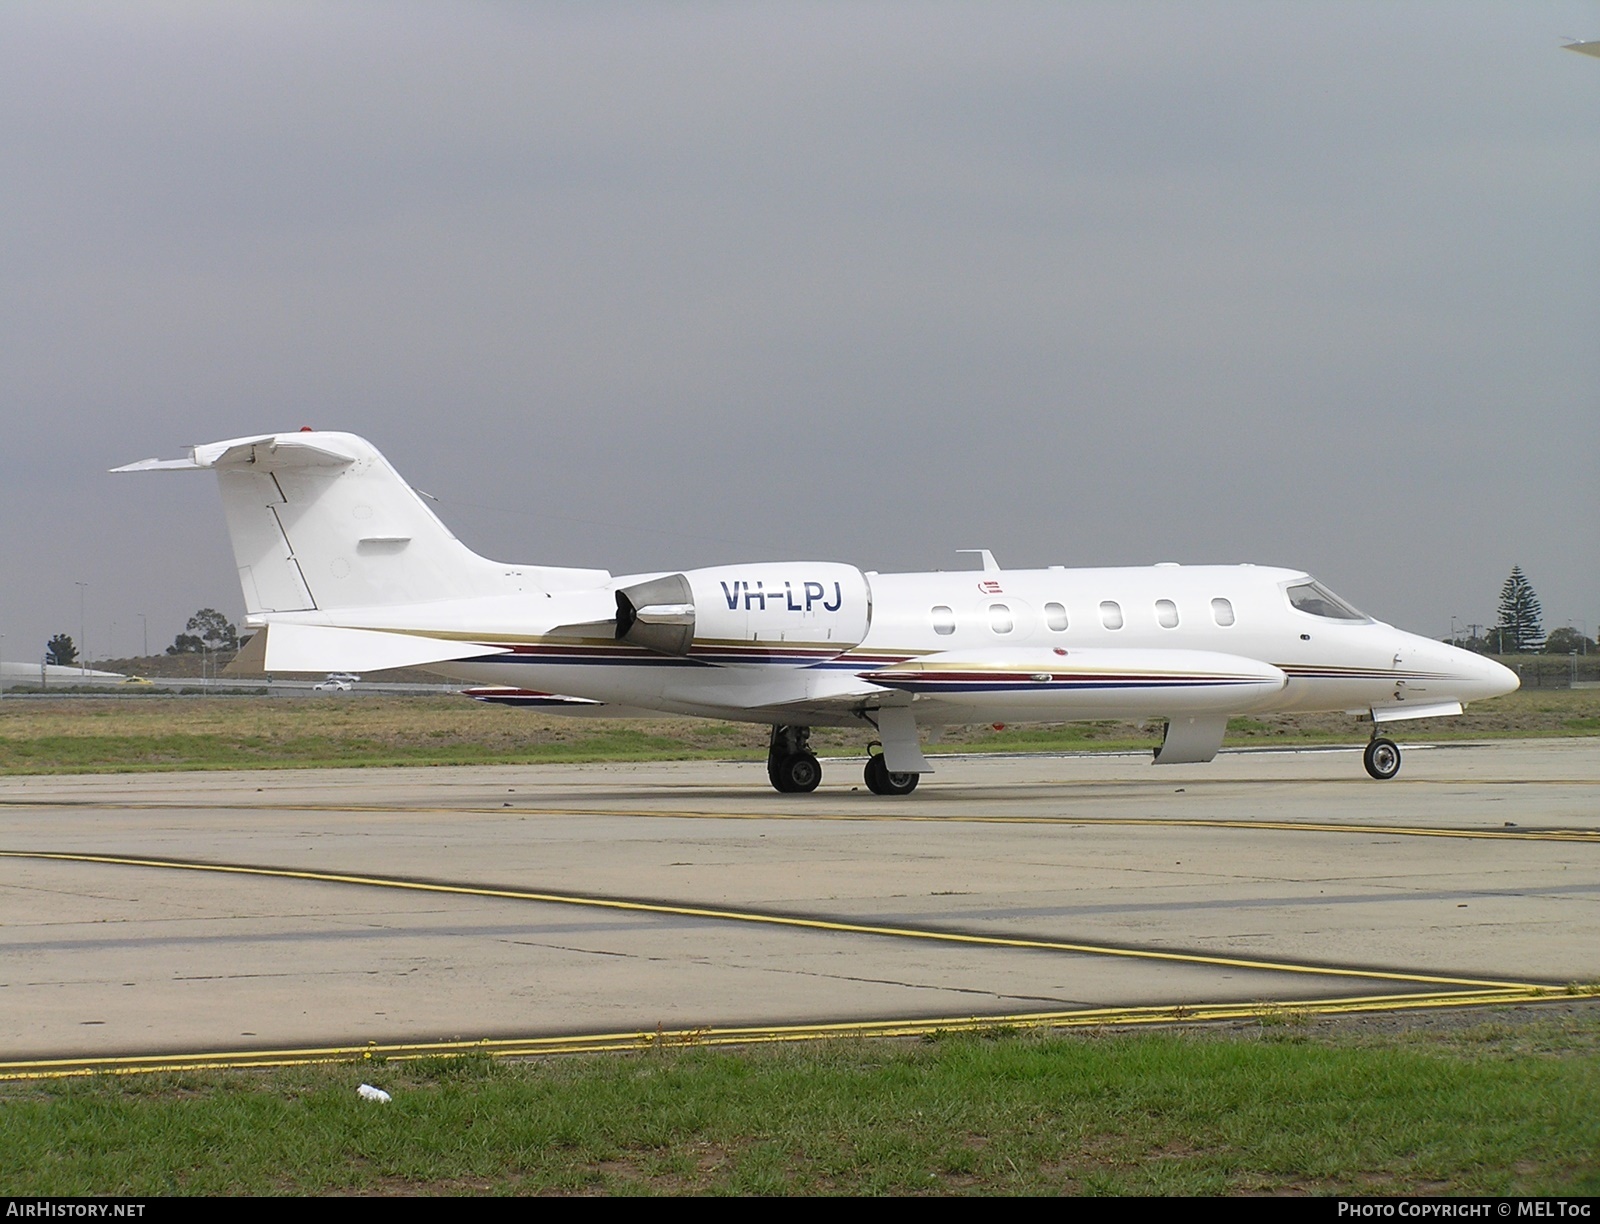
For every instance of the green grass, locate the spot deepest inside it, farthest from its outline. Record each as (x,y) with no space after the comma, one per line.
(156,732)
(1490,1110)
(118,754)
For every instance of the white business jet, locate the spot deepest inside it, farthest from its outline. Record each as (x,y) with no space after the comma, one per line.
(346,569)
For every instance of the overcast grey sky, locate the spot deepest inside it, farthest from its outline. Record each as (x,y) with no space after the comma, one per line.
(648,286)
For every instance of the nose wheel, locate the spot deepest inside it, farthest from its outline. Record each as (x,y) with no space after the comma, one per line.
(1382,758)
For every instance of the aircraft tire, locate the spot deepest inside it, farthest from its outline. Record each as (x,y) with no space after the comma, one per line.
(799,773)
(881,782)
(875,775)
(1382,759)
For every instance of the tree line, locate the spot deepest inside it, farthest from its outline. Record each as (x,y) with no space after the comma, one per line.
(206,631)
(1519,628)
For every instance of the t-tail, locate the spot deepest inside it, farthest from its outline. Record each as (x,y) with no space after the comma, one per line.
(346,566)
(322,522)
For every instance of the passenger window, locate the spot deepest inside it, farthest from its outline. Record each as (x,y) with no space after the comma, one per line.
(1167,613)
(1055,616)
(1222,612)
(1111,614)
(944,620)
(1000,618)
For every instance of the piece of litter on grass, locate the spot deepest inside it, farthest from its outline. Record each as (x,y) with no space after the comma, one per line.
(369,1093)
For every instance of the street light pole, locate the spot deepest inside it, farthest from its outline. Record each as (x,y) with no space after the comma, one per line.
(83,638)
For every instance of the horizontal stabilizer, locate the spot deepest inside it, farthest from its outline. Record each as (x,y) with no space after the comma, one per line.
(269,453)
(161,465)
(319,648)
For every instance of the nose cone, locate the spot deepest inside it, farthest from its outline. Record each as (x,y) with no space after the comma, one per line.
(1501,679)
(1477,677)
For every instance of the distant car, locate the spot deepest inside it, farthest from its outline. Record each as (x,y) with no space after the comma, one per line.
(333,684)
(138,680)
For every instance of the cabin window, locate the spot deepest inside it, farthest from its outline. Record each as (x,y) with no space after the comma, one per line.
(944,620)
(1111,614)
(1222,612)
(1000,618)
(1167,613)
(1316,599)
(1055,616)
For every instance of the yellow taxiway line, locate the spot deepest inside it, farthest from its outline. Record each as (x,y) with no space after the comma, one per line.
(1456,992)
(765,918)
(591,1043)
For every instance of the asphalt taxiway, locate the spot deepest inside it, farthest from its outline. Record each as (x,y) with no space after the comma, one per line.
(165,914)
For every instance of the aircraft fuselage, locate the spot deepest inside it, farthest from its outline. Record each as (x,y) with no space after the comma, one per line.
(344,568)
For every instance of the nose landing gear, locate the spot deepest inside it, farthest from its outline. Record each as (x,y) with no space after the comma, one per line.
(1382,758)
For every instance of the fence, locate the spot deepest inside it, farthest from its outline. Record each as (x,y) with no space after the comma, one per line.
(1553,671)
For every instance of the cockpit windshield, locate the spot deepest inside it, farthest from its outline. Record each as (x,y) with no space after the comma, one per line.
(1317,600)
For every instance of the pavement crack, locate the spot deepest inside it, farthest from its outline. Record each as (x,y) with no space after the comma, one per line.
(944,988)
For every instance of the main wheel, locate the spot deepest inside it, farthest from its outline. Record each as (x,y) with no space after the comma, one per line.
(797,774)
(1382,759)
(881,782)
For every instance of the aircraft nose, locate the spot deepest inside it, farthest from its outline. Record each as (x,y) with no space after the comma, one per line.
(1481,677)
(1499,678)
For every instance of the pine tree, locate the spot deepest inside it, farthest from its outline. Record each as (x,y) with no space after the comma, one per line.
(1519,630)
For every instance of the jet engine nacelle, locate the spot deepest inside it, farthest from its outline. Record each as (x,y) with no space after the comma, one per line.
(813,608)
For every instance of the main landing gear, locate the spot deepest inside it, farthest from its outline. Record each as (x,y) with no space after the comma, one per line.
(881,782)
(1382,758)
(793,768)
(791,765)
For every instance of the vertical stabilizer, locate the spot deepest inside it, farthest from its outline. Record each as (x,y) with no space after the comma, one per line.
(320,521)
